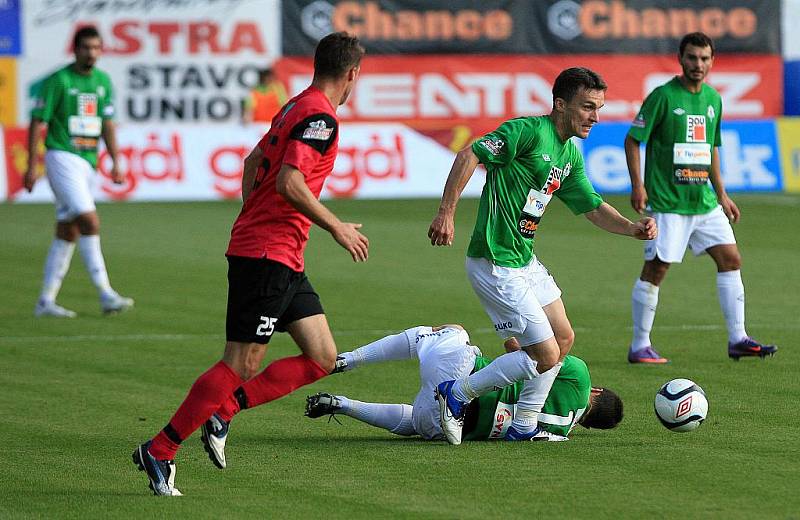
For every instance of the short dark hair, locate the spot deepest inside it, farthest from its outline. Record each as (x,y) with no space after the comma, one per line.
(570,81)
(336,54)
(605,411)
(90,31)
(264,74)
(697,39)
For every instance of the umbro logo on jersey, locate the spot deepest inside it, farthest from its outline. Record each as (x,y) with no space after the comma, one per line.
(317,130)
(679,111)
(546,157)
(493,145)
(73,91)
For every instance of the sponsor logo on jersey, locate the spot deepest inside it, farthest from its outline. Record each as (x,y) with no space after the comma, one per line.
(555,178)
(503,415)
(503,325)
(87,104)
(679,111)
(317,130)
(639,121)
(695,129)
(495,146)
(710,112)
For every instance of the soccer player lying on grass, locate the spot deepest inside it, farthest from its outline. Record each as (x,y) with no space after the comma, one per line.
(445,353)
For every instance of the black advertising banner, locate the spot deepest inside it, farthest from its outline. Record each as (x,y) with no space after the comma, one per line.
(655,26)
(535,27)
(408,26)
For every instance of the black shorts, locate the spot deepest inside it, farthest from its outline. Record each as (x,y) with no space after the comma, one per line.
(265,296)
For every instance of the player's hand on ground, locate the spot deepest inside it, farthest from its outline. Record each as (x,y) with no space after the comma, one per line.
(442,229)
(645,229)
(639,199)
(29,180)
(730,208)
(349,237)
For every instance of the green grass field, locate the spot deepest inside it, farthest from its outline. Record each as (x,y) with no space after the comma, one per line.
(79,395)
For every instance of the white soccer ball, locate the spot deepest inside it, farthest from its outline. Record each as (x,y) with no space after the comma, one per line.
(681,405)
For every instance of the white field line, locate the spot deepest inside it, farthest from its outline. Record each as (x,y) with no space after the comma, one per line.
(340,333)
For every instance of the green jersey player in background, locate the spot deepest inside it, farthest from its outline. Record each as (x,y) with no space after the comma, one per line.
(445,353)
(680,122)
(528,161)
(76,105)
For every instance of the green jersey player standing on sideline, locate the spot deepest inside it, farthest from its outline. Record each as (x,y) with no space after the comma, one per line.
(680,122)
(445,353)
(528,160)
(76,105)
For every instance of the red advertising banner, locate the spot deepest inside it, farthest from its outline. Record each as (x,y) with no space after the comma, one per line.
(435,92)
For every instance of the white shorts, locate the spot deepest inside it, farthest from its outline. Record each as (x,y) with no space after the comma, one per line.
(70,178)
(443,355)
(698,232)
(514,298)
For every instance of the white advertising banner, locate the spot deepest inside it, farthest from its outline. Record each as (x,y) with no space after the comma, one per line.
(204,162)
(170,61)
(791,36)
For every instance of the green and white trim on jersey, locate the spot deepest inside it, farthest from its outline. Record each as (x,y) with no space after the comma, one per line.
(681,130)
(526,163)
(565,405)
(74,106)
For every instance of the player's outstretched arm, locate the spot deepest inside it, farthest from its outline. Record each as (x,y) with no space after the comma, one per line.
(633,158)
(291,185)
(728,206)
(608,218)
(442,229)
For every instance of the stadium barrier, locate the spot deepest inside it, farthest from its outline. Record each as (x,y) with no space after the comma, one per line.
(387,160)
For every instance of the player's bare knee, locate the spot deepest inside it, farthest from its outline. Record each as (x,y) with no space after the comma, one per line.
(654,271)
(731,262)
(565,341)
(325,359)
(67,231)
(545,354)
(88,224)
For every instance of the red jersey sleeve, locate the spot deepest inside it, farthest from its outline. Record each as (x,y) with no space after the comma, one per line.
(309,140)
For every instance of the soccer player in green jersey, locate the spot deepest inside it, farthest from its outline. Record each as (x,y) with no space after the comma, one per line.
(680,122)
(76,105)
(444,353)
(528,161)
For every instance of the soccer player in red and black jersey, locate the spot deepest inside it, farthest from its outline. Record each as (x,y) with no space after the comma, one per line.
(268,290)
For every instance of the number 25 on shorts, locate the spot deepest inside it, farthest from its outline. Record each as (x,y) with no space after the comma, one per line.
(266,327)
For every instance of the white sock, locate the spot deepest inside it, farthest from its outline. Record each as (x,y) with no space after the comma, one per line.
(89,246)
(644,301)
(504,370)
(390,348)
(55,268)
(532,398)
(731,298)
(393,417)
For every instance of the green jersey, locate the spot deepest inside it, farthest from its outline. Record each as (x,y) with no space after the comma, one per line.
(74,106)
(565,405)
(526,164)
(681,130)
